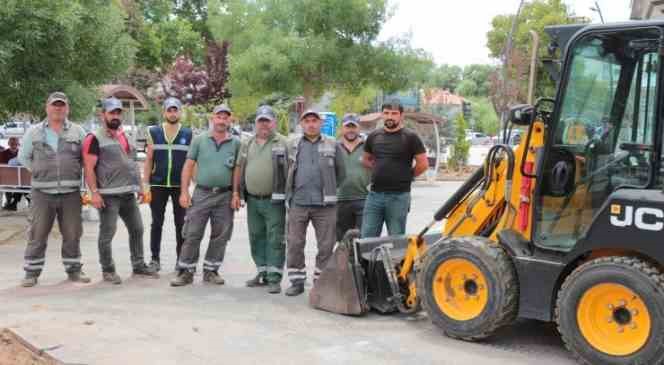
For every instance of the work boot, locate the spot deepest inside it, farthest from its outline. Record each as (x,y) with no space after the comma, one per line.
(184,278)
(78,277)
(155,265)
(258,280)
(295,289)
(112,278)
(213,277)
(29,281)
(274,288)
(145,270)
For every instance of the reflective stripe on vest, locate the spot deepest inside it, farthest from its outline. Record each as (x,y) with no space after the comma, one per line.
(120,190)
(56,184)
(172,147)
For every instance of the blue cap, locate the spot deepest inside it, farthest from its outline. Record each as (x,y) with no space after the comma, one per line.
(351,119)
(172,103)
(111,104)
(265,112)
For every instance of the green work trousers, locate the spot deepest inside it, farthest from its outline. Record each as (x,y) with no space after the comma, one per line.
(266,221)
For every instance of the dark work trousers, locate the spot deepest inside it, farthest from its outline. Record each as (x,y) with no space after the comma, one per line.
(44,210)
(349,216)
(125,207)
(324,220)
(215,207)
(160,197)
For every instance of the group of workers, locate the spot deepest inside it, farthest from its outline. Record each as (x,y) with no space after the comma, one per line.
(286,183)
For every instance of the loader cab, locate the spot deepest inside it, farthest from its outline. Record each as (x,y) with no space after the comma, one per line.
(605,132)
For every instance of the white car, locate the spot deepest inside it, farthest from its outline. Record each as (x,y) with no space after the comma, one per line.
(13,129)
(477,138)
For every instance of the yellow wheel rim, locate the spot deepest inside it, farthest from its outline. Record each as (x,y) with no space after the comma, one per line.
(613,319)
(460,289)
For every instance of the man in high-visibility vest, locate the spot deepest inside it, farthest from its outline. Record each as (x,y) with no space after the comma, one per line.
(166,154)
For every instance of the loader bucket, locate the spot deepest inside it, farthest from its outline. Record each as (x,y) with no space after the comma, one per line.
(354,279)
(340,287)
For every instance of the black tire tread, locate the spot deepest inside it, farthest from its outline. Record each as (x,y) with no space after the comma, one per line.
(626,261)
(506,274)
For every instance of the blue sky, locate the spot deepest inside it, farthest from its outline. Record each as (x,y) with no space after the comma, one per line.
(466,22)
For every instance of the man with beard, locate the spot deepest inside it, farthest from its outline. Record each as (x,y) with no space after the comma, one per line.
(315,170)
(113,178)
(353,191)
(52,152)
(260,177)
(214,154)
(166,153)
(389,153)
(8,157)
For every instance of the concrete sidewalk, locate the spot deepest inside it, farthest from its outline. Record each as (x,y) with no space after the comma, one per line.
(145,321)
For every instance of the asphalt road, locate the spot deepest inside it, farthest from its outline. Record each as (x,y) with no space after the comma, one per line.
(146,321)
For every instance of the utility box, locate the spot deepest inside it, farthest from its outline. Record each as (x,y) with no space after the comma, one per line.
(329,127)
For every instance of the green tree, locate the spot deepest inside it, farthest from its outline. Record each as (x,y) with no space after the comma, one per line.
(308,46)
(352,102)
(445,77)
(484,116)
(467,88)
(68,45)
(461,148)
(535,15)
(479,75)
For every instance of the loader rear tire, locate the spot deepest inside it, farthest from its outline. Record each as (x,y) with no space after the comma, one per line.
(611,311)
(468,286)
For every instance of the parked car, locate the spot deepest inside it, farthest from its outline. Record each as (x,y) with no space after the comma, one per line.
(477,138)
(515,137)
(12,128)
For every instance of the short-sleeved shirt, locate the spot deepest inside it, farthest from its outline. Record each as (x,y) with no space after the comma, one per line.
(258,173)
(215,161)
(394,153)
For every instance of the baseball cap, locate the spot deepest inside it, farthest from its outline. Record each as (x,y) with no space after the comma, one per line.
(111,104)
(265,112)
(221,108)
(172,103)
(351,119)
(310,112)
(57,96)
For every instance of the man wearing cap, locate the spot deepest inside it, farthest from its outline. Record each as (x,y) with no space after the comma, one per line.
(166,153)
(214,154)
(52,152)
(113,177)
(354,189)
(260,177)
(389,153)
(315,169)
(9,157)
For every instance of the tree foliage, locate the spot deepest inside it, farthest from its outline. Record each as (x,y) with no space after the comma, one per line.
(535,15)
(445,77)
(461,148)
(67,45)
(484,116)
(358,102)
(308,46)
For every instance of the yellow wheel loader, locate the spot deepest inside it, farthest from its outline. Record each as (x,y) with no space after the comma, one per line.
(566,227)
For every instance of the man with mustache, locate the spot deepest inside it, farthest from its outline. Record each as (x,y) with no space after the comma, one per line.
(315,170)
(166,153)
(8,157)
(113,178)
(52,152)
(261,178)
(214,154)
(354,189)
(389,153)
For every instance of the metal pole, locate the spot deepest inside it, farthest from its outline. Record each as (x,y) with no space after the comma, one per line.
(599,11)
(506,61)
(533,67)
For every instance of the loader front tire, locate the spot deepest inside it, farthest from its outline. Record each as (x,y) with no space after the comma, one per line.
(468,286)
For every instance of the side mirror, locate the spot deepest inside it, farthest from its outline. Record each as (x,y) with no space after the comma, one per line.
(522,114)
